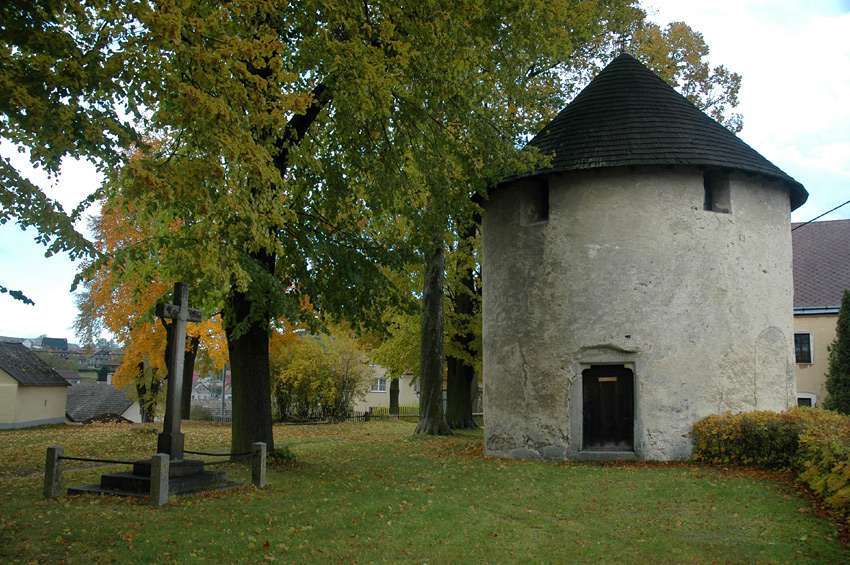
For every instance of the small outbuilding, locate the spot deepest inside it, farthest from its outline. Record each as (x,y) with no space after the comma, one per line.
(639,282)
(31,392)
(95,402)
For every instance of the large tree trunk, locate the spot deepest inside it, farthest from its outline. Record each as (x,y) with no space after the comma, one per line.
(432,419)
(460,379)
(250,377)
(460,376)
(146,393)
(188,374)
(394,396)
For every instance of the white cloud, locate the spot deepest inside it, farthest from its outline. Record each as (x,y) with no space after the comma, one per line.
(793,57)
(23,266)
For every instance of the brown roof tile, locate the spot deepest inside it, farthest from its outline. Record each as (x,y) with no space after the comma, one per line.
(91,400)
(25,367)
(821,263)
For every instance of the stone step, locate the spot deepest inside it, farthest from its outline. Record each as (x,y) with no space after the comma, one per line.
(175,468)
(97,489)
(183,477)
(128,481)
(605,455)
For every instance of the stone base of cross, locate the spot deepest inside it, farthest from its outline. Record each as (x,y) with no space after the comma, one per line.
(170,441)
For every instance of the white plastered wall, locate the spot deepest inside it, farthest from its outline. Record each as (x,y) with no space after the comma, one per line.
(30,405)
(630,269)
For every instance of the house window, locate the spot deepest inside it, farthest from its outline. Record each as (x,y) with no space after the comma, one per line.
(378,385)
(716,186)
(807,399)
(803,347)
(535,203)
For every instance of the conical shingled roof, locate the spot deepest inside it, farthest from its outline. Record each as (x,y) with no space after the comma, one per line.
(628,116)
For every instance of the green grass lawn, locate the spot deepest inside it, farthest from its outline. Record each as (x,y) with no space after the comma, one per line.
(370,492)
(87,376)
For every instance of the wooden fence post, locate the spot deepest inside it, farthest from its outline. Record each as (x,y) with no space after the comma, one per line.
(258,465)
(159,479)
(53,472)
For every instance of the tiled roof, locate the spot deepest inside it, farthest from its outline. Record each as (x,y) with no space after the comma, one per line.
(55,343)
(821,263)
(90,400)
(628,116)
(69,374)
(25,367)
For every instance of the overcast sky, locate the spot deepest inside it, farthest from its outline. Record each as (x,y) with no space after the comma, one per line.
(794,57)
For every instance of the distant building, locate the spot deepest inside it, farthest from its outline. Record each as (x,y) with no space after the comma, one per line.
(100,401)
(31,393)
(56,343)
(378,393)
(821,275)
(73,377)
(28,343)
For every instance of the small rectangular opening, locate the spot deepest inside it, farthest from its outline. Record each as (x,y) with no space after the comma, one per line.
(716,192)
(535,203)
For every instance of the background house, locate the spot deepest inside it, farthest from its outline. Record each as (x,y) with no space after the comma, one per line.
(821,274)
(378,393)
(56,343)
(28,342)
(206,395)
(70,375)
(31,393)
(100,401)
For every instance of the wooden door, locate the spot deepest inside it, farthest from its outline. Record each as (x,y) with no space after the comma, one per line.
(608,408)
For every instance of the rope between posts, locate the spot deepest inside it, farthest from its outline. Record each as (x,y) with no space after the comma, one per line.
(218,454)
(226,461)
(233,456)
(97,460)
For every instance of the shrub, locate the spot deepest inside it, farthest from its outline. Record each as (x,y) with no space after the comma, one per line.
(318,377)
(825,453)
(281,457)
(813,443)
(201,413)
(764,439)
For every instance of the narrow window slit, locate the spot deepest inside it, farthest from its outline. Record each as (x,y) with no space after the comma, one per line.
(716,186)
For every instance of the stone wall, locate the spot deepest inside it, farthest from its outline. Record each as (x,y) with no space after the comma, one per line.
(630,269)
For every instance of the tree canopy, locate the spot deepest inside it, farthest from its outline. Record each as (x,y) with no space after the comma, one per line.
(301,150)
(59,72)
(838,374)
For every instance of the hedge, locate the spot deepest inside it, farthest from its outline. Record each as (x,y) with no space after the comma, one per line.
(813,443)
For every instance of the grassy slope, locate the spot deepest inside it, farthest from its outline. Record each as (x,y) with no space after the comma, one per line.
(370,492)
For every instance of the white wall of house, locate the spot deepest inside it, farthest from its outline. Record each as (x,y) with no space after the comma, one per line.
(378,393)
(629,269)
(8,399)
(811,377)
(133,413)
(24,406)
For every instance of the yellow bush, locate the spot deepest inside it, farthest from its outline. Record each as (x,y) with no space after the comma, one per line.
(814,443)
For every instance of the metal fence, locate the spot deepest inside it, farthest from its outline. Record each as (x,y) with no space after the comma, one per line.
(383,412)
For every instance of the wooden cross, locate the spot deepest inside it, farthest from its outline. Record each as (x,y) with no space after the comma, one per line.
(170,441)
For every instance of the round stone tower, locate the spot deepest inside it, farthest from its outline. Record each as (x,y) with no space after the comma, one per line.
(638,283)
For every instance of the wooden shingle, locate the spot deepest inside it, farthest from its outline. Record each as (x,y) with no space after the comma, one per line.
(628,116)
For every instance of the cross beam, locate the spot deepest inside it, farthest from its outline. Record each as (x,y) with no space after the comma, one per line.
(170,441)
